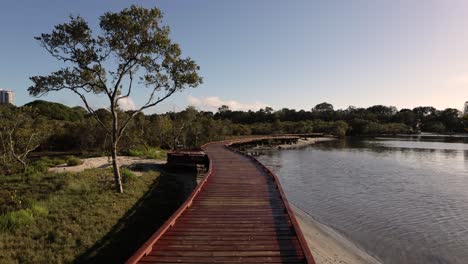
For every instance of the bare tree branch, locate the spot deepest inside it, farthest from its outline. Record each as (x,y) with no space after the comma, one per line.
(147,105)
(125,69)
(91,110)
(129,88)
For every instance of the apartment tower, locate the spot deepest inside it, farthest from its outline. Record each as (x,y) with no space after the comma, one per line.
(7,97)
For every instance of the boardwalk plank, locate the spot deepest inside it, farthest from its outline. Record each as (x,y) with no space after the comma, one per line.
(238,217)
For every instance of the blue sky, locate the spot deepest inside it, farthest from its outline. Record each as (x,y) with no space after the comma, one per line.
(292,54)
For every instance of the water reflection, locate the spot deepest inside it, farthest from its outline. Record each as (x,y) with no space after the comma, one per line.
(405,200)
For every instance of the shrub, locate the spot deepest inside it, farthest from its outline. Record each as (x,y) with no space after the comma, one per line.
(12,220)
(136,152)
(127,175)
(149,153)
(74,161)
(40,166)
(57,161)
(45,162)
(39,210)
(35,171)
(155,153)
(339,128)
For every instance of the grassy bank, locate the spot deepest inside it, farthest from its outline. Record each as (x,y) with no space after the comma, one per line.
(78,217)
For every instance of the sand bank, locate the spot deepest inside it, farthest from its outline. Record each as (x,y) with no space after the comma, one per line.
(328,246)
(105,162)
(302,142)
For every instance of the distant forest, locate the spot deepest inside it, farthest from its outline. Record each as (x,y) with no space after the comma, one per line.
(64,128)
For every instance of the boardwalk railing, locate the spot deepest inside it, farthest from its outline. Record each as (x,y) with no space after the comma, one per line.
(147,246)
(292,216)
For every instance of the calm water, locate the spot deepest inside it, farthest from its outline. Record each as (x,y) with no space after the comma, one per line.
(404,200)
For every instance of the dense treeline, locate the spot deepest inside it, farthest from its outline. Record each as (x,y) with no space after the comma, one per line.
(378,119)
(47,126)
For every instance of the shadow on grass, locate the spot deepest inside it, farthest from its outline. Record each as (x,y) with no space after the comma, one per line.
(168,192)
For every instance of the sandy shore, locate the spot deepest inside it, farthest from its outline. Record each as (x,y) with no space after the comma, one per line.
(302,142)
(329,247)
(104,162)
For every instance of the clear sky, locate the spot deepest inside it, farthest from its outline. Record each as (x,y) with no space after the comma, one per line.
(292,54)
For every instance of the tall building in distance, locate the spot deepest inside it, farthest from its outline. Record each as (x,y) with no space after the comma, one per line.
(7,97)
(465,108)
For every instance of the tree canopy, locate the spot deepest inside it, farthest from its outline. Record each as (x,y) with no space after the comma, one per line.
(132,50)
(56,111)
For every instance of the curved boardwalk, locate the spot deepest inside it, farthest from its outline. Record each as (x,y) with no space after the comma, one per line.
(237,215)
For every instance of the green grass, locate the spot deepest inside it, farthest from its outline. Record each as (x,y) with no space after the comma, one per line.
(55,218)
(127,175)
(51,162)
(13,220)
(149,153)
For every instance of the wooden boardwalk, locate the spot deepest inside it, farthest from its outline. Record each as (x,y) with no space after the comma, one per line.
(237,214)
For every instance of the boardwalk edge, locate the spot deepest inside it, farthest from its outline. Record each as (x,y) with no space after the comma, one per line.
(145,249)
(148,245)
(292,217)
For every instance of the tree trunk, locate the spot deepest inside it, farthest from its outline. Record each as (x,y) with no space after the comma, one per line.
(24,166)
(115,139)
(115,166)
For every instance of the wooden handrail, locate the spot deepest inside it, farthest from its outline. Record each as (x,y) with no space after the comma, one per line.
(292,217)
(146,248)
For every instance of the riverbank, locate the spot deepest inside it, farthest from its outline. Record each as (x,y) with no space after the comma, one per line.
(328,246)
(303,142)
(300,143)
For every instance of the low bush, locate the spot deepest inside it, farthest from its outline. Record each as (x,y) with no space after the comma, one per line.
(12,220)
(149,153)
(39,166)
(74,161)
(39,210)
(58,161)
(127,175)
(35,171)
(45,163)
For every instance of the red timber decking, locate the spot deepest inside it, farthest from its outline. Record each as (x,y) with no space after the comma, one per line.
(237,214)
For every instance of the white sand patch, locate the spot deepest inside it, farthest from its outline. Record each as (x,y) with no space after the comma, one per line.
(105,162)
(328,246)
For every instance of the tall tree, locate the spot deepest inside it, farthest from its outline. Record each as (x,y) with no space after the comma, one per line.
(132,45)
(323,107)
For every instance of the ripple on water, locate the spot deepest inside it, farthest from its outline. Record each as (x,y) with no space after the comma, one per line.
(404,202)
